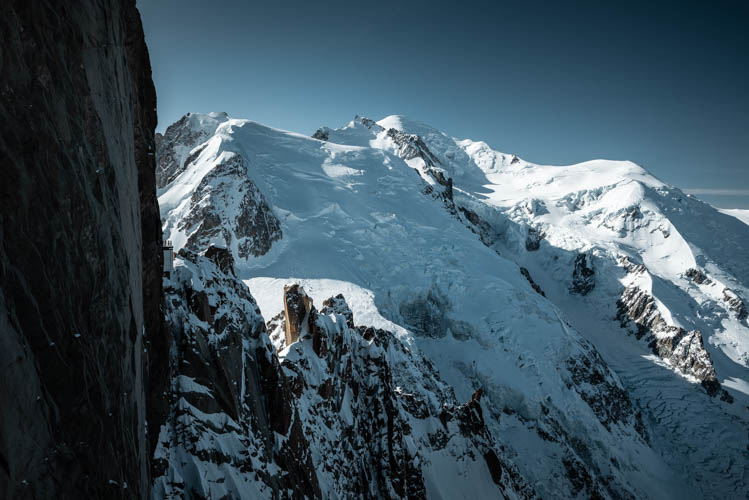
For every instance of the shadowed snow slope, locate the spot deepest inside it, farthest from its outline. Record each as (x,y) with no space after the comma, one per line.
(742,215)
(438,241)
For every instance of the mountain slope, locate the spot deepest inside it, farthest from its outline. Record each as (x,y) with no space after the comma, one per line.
(490,268)
(742,215)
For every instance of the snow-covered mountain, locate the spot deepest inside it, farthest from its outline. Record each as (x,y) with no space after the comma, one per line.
(500,327)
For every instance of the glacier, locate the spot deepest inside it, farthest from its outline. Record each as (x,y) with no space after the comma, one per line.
(599,313)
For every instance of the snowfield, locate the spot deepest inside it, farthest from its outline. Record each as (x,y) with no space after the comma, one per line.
(507,276)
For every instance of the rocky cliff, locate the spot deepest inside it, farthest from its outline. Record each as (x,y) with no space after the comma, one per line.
(80,261)
(226,208)
(344,411)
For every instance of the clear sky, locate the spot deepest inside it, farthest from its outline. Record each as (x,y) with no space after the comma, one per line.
(665,85)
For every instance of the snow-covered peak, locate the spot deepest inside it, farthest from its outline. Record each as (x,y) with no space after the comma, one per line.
(405,124)
(174,146)
(504,274)
(358,132)
(364,122)
(197,125)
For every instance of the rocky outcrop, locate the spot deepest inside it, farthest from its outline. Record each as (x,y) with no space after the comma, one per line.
(468,217)
(444,195)
(322,134)
(626,220)
(224,208)
(611,404)
(470,420)
(222,258)
(478,225)
(631,267)
(296,307)
(379,416)
(735,303)
(346,412)
(227,207)
(698,276)
(583,275)
(684,350)
(80,262)
(337,305)
(527,275)
(533,239)
(176,148)
(410,146)
(228,395)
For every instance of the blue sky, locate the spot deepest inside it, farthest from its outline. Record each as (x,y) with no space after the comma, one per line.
(666,85)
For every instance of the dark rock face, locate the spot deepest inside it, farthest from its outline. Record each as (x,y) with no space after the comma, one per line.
(81,261)
(321,134)
(226,206)
(410,146)
(337,305)
(698,276)
(475,223)
(527,275)
(174,149)
(608,399)
(296,306)
(735,303)
(631,267)
(684,349)
(583,275)
(222,258)
(444,195)
(533,240)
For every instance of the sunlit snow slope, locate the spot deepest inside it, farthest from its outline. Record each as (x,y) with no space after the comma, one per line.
(508,276)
